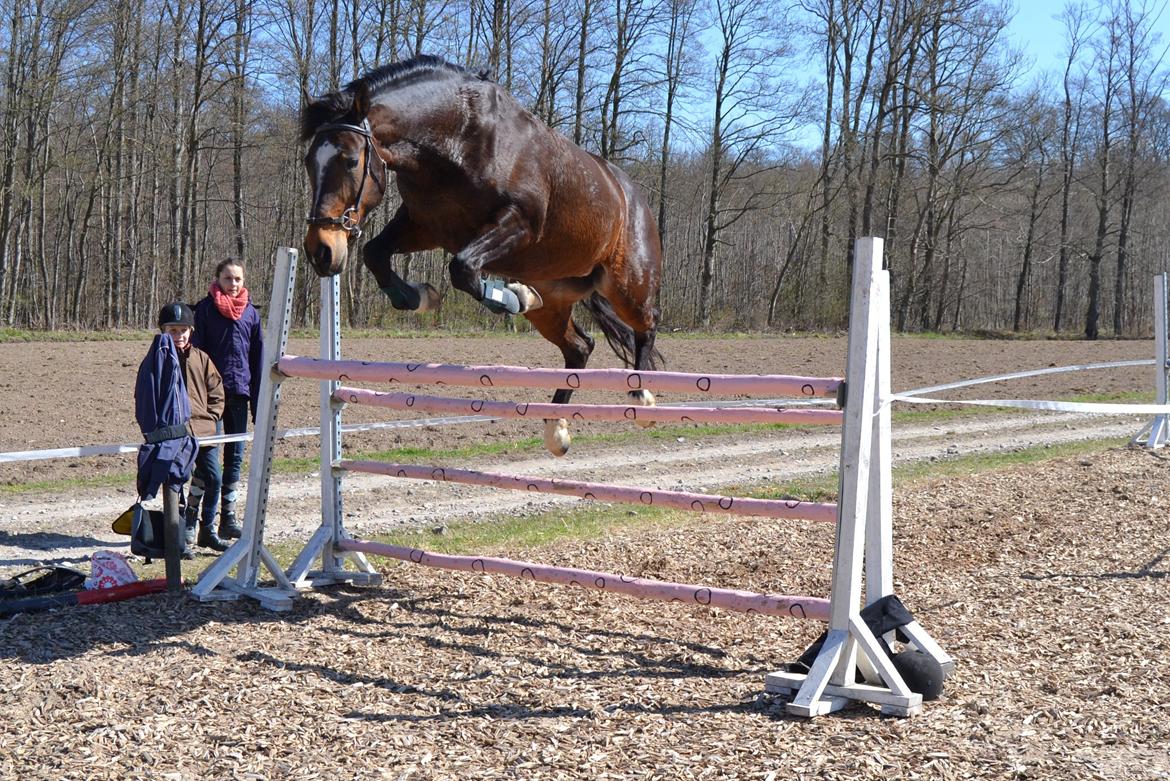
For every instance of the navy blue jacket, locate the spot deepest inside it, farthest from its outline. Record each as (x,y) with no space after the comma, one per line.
(163,412)
(236,347)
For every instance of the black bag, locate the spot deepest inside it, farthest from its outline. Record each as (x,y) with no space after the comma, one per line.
(146,530)
(148,534)
(40,581)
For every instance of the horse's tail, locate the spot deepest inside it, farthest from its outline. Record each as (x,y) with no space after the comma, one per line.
(618,335)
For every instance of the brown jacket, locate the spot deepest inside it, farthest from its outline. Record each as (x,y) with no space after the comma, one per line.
(204,389)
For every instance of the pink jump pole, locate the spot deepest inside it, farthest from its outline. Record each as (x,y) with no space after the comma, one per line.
(728,599)
(582,379)
(612,413)
(792,509)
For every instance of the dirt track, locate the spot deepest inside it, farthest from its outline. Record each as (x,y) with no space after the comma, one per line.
(1046,582)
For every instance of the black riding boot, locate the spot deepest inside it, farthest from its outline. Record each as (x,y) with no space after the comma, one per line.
(229,525)
(209,539)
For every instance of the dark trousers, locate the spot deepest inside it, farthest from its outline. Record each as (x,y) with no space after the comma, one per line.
(205,483)
(235,421)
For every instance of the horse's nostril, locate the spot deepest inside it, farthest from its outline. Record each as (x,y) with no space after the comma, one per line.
(323,258)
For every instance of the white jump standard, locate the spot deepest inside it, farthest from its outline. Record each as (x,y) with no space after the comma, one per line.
(851,663)
(1156,433)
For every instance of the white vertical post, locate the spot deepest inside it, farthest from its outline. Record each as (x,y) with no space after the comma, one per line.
(324,542)
(836,662)
(331,507)
(248,552)
(1159,427)
(864,501)
(879,529)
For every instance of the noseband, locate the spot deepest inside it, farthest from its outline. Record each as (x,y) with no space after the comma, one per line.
(349,220)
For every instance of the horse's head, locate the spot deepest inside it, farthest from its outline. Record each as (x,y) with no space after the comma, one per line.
(347,176)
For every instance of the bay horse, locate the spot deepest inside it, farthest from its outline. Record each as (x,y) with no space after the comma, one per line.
(485,180)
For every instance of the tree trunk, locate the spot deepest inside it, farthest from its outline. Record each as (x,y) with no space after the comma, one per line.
(1029,242)
(582,54)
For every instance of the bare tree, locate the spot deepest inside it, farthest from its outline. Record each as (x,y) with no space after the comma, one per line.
(1107,53)
(1142,85)
(963,110)
(241,48)
(749,117)
(10,127)
(1036,135)
(632,24)
(680,27)
(584,22)
(554,61)
(1075,22)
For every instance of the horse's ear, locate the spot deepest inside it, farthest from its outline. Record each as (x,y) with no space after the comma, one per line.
(361,100)
(314,113)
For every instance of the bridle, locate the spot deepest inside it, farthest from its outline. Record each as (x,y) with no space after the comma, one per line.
(349,221)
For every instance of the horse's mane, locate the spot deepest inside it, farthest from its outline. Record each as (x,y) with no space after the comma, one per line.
(334,105)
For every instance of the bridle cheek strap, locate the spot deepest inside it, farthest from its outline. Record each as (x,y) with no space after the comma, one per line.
(349,220)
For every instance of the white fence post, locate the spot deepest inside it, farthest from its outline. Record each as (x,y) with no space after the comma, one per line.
(324,542)
(1156,433)
(852,664)
(249,552)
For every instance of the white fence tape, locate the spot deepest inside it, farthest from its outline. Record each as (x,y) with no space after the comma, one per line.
(1092,408)
(919,396)
(112,450)
(904,396)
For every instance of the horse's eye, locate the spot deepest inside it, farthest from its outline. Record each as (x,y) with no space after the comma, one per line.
(351,163)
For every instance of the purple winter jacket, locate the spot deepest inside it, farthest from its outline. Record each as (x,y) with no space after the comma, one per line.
(235,346)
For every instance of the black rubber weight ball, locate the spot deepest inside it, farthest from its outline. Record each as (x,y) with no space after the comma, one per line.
(920,672)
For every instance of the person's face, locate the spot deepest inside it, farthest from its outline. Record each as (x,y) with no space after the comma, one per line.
(181,334)
(231,280)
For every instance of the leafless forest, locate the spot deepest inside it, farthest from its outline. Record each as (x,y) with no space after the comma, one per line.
(144,142)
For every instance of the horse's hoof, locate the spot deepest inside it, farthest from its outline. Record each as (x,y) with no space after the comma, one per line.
(642,398)
(528,298)
(556,436)
(428,298)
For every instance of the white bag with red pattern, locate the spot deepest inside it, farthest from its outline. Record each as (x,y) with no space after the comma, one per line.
(109,569)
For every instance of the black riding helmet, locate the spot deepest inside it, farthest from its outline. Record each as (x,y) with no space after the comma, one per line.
(176,313)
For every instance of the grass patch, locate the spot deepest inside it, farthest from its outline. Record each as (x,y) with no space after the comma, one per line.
(592,521)
(577,523)
(63,485)
(908,474)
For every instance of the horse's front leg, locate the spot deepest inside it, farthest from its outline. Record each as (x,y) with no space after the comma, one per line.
(401,235)
(510,232)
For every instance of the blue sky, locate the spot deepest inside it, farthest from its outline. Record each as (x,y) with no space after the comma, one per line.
(1041,35)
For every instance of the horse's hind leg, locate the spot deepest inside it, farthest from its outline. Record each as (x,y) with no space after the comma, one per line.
(555,323)
(635,307)
(643,359)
